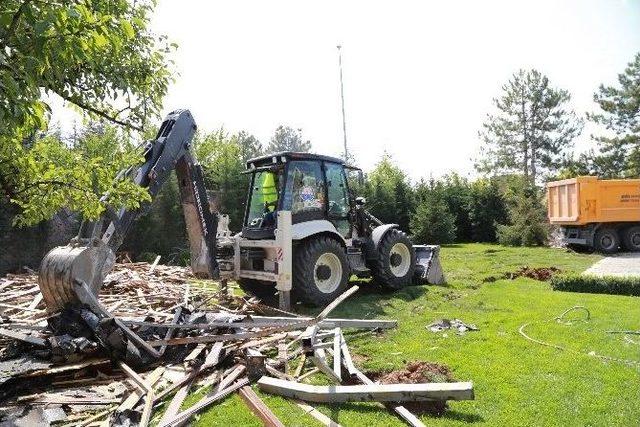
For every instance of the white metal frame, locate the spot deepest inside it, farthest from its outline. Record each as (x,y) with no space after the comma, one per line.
(283,245)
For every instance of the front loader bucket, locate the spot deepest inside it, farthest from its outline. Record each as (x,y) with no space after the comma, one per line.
(63,266)
(428,267)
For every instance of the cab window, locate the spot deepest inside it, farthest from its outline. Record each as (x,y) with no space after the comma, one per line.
(264,200)
(304,193)
(338,195)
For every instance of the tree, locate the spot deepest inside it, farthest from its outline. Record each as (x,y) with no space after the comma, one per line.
(288,139)
(527,217)
(432,222)
(98,56)
(48,175)
(389,194)
(487,208)
(619,154)
(250,146)
(531,129)
(221,157)
(456,193)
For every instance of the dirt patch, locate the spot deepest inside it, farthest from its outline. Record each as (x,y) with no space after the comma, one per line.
(541,273)
(418,372)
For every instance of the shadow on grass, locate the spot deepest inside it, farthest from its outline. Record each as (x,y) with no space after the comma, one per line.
(372,408)
(462,416)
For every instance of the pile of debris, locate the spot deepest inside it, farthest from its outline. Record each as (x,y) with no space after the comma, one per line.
(157,335)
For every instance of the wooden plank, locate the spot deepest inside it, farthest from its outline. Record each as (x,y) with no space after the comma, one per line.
(132,400)
(170,332)
(259,408)
(367,393)
(337,366)
(211,360)
(183,417)
(322,418)
(346,356)
(155,264)
(176,403)
(403,412)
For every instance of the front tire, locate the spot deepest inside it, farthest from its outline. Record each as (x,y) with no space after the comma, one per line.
(396,262)
(607,241)
(631,239)
(320,271)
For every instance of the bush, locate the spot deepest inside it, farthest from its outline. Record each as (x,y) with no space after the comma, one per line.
(527,220)
(597,285)
(433,222)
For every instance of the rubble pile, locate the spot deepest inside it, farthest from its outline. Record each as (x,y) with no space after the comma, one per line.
(156,334)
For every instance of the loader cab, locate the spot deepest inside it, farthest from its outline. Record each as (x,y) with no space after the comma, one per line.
(311,186)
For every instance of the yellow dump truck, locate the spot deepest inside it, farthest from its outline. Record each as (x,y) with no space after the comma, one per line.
(601,214)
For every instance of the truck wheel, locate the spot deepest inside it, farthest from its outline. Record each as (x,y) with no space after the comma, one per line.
(631,239)
(607,241)
(396,262)
(259,288)
(320,271)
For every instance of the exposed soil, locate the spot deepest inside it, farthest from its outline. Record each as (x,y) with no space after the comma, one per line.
(541,273)
(418,372)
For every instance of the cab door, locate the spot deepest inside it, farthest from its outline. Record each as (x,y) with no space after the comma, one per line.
(338,198)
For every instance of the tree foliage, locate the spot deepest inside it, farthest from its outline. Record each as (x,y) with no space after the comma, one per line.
(527,221)
(433,222)
(48,175)
(619,154)
(389,194)
(531,130)
(288,139)
(223,158)
(100,57)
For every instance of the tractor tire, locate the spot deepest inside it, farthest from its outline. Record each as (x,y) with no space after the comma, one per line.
(607,241)
(264,290)
(320,271)
(396,262)
(631,239)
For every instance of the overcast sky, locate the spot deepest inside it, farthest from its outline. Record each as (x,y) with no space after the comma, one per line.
(419,76)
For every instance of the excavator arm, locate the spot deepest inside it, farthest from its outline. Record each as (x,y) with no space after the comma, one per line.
(91,254)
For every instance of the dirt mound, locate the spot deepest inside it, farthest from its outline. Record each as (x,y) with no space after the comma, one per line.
(418,372)
(540,273)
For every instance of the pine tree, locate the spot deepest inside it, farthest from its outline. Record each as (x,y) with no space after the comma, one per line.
(288,139)
(531,129)
(619,154)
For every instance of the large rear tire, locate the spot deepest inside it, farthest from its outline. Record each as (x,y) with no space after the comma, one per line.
(396,262)
(320,271)
(631,239)
(607,240)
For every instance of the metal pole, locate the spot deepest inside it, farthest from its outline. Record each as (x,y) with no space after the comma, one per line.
(344,120)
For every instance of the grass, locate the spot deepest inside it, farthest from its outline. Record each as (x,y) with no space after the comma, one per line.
(517,382)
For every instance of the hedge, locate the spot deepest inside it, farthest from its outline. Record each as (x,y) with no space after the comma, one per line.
(613,285)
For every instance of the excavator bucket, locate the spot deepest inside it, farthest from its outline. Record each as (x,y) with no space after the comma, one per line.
(428,267)
(64,266)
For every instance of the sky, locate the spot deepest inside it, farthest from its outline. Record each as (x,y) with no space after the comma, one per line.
(419,76)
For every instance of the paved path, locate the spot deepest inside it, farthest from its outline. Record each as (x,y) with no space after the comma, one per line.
(625,264)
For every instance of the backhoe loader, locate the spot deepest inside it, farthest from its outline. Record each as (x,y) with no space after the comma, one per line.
(304,234)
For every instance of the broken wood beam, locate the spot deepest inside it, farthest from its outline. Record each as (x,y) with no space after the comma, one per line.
(259,408)
(403,412)
(367,393)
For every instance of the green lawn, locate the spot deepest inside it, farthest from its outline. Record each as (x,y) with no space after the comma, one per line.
(516,382)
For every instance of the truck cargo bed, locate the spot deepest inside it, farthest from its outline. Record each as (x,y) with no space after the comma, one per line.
(586,200)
